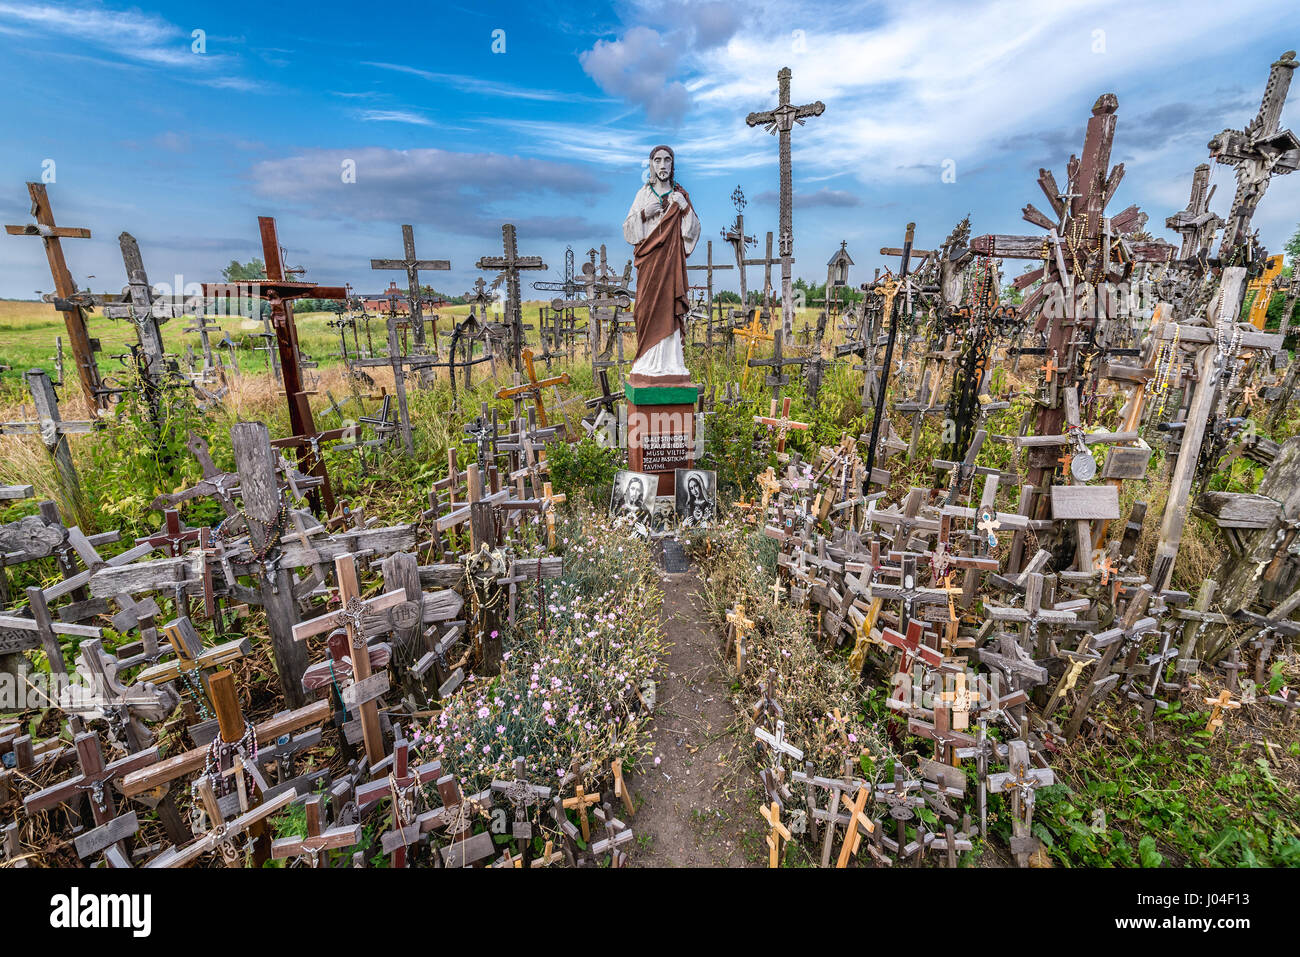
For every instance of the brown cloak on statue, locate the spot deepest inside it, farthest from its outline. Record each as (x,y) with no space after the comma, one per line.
(662,296)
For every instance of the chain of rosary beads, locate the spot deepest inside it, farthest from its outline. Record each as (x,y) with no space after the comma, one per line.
(246,746)
(272,531)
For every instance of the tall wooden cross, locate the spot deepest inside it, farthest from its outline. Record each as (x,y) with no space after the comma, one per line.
(1196,224)
(412,267)
(781,121)
(280,293)
(709,268)
(74,316)
(1257,152)
(146,313)
(510,263)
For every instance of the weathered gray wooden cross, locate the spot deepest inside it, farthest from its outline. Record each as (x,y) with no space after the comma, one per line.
(781,122)
(510,263)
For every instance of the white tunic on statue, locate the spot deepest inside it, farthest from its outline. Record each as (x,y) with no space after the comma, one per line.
(666,357)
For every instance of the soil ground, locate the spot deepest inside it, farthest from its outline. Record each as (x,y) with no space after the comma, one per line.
(694,808)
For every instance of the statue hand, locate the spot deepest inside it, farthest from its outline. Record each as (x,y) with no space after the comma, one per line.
(680,200)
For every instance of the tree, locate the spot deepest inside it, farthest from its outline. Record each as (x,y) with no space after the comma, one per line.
(244,272)
(1292,248)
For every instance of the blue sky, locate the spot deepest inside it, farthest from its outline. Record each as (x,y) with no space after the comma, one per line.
(185,149)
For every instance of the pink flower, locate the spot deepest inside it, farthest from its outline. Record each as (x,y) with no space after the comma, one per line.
(501,729)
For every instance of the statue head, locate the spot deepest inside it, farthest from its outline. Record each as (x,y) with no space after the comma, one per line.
(663,166)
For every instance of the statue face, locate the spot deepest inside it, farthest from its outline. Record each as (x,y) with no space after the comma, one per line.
(661,166)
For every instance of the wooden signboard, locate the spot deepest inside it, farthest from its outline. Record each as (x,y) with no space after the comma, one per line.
(1084,502)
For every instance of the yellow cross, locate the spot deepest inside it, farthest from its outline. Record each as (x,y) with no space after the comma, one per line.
(779,832)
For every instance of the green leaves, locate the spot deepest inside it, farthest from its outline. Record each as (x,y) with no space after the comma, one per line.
(1147,853)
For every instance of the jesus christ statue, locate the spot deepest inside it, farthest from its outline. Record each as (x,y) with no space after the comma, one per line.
(663,227)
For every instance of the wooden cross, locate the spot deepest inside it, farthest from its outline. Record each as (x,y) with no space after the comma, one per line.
(912,646)
(1258,153)
(173,537)
(400,786)
(318,839)
(96,779)
(1021,781)
(579,803)
(74,315)
(146,314)
(280,292)
(783,424)
(533,389)
(858,822)
(365,688)
(1223,702)
(741,625)
(709,268)
(779,832)
(777,742)
(778,362)
(221,836)
(781,121)
(752,334)
(412,266)
(191,656)
(616,833)
(522,795)
(1196,224)
(53,430)
(510,263)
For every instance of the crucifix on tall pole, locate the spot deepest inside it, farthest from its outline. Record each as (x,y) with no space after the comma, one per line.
(412,267)
(510,263)
(781,121)
(74,316)
(1257,152)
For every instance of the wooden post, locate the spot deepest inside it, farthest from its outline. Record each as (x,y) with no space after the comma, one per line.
(255,462)
(47,409)
(1189,449)
(345,567)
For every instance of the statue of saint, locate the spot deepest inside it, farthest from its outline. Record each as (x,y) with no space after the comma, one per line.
(663,227)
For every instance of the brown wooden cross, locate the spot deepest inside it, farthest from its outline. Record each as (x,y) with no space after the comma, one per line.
(533,389)
(366,688)
(280,292)
(173,537)
(783,423)
(74,317)
(1223,702)
(779,832)
(318,839)
(579,803)
(95,780)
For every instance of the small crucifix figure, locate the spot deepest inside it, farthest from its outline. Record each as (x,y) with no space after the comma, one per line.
(318,840)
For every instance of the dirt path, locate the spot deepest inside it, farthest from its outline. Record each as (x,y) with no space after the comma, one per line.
(692,815)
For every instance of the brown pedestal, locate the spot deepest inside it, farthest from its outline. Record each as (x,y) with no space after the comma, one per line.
(660,435)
